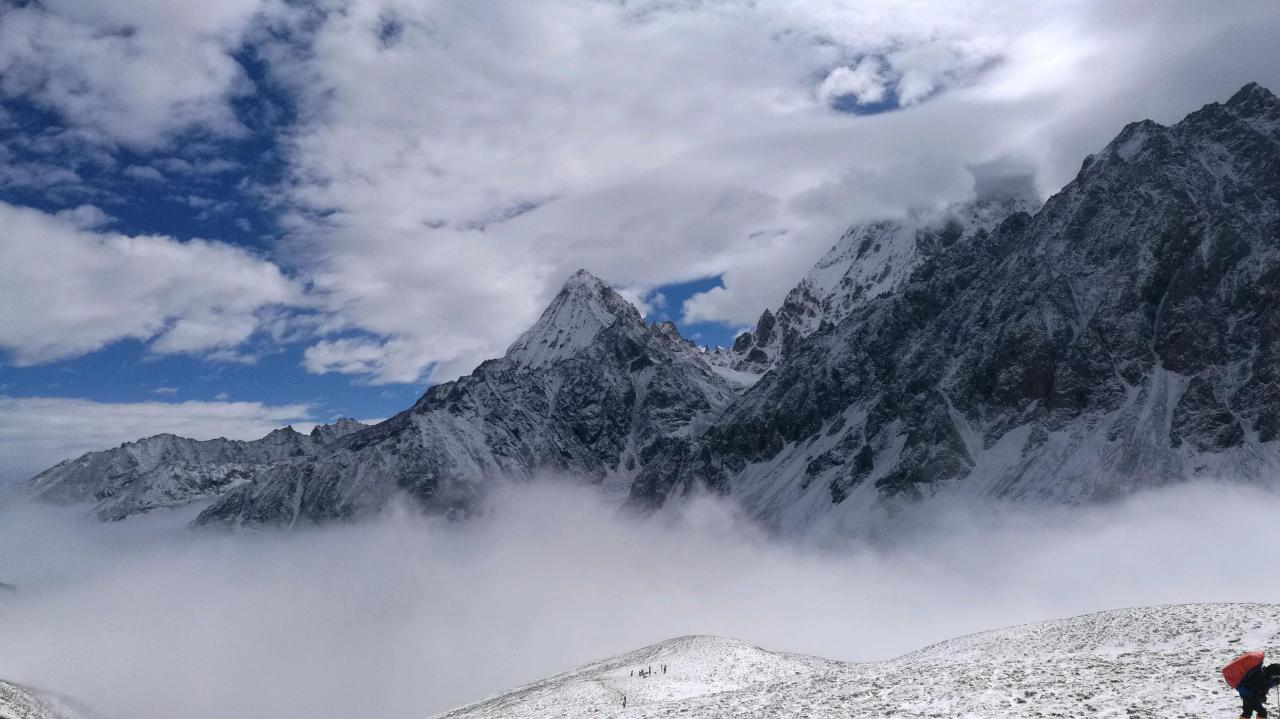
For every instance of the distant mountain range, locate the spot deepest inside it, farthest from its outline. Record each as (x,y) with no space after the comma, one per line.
(166,470)
(1124,335)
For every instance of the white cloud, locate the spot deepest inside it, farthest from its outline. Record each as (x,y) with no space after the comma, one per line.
(38,432)
(85,217)
(403,618)
(446,175)
(862,81)
(65,290)
(134,72)
(348,356)
(717,153)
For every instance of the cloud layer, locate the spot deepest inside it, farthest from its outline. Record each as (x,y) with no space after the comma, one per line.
(405,617)
(451,161)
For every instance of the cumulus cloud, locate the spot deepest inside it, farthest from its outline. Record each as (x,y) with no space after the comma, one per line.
(84,217)
(453,161)
(719,154)
(404,617)
(38,432)
(862,81)
(134,72)
(66,290)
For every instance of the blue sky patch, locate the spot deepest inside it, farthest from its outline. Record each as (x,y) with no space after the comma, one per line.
(668,301)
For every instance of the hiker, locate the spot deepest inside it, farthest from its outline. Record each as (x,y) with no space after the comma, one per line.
(1254,687)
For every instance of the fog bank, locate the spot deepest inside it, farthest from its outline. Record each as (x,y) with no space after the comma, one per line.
(406,616)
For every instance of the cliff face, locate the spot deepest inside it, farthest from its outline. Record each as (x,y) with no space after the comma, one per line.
(1126,335)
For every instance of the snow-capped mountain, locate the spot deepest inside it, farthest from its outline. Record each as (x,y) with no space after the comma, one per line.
(1124,336)
(1160,661)
(591,390)
(166,470)
(870,260)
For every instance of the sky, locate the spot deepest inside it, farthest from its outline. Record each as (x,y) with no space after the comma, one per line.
(226,217)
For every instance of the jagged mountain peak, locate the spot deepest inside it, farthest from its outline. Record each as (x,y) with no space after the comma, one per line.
(584,307)
(1253,96)
(1253,107)
(325,433)
(283,433)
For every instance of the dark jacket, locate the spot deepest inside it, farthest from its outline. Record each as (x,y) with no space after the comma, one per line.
(1257,683)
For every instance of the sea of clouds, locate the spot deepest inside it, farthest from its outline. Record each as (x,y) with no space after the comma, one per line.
(406,616)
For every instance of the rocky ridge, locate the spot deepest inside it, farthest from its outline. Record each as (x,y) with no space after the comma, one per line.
(871,259)
(1124,336)
(167,470)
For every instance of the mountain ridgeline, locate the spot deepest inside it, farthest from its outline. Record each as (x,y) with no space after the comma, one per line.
(1124,335)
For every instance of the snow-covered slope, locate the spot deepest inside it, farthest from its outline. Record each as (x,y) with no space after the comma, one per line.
(167,470)
(17,702)
(1150,662)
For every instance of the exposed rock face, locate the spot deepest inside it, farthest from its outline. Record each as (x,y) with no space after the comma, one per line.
(870,260)
(166,470)
(590,391)
(1126,335)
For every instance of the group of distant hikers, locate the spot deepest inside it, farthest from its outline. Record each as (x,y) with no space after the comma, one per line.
(1247,675)
(648,671)
(644,673)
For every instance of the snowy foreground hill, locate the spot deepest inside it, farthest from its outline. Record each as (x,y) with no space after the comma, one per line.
(18,702)
(1151,662)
